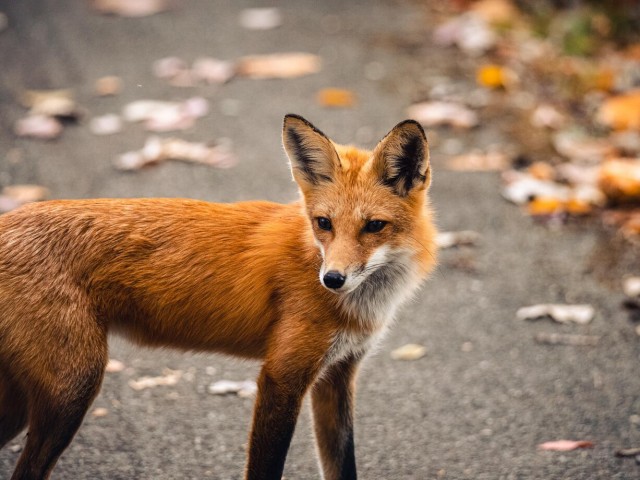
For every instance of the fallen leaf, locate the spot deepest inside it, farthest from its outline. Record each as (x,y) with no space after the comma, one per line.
(246,388)
(628,452)
(38,126)
(621,112)
(619,179)
(105,124)
(443,113)
(521,188)
(131,8)
(336,97)
(580,314)
(108,86)
(169,377)
(495,76)
(213,71)
(478,162)
(114,366)
(410,351)
(548,116)
(51,103)
(100,412)
(469,32)
(577,146)
(168,67)
(542,171)
(631,286)
(279,65)
(496,12)
(455,239)
(158,149)
(566,339)
(260,18)
(162,116)
(14,196)
(4,22)
(565,445)
(545,206)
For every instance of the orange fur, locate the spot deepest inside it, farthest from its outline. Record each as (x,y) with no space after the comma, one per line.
(241,279)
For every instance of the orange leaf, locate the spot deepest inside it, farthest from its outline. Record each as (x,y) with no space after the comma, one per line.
(336,97)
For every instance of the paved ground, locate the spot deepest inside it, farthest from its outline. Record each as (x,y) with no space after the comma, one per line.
(453,414)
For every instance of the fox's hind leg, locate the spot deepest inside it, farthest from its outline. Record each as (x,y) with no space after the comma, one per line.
(13,409)
(71,372)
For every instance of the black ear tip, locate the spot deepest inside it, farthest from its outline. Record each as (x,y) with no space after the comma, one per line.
(411,123)
(294,117)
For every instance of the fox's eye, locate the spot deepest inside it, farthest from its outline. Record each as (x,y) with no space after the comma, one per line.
(324,223)
(374,226)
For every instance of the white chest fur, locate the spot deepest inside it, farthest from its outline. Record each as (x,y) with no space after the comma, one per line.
(374,303)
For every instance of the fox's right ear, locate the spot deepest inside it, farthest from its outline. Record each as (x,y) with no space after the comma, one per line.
(312,155)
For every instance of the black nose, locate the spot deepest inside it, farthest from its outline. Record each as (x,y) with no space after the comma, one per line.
(334,279)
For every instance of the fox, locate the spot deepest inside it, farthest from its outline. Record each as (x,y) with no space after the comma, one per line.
(308,288)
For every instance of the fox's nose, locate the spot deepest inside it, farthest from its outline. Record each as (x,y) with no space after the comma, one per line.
(334,279)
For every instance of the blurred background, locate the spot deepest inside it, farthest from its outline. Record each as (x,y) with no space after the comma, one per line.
(533,115)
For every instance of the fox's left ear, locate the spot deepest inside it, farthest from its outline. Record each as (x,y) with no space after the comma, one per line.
(313,157)
(402,158)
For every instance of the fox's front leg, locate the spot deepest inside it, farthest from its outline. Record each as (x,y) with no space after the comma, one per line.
(290,367)
(332,400)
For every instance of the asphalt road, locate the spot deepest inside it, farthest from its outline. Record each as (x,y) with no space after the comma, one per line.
(472,412)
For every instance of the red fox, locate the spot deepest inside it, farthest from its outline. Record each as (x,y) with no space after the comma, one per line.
(306,287)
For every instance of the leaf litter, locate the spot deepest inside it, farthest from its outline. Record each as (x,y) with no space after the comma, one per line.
(244,389)
(578,89)
(579,314)
(168,378)
(157,149)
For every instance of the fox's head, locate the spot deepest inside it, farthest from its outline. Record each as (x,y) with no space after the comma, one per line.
(368,209)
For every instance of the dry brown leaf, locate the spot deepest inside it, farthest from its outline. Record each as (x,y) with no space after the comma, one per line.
(631,286)
(279,65)
(52,103)
(246,388)
(496,12)
(38,126)
(100,412)
(566,339)
(542,171)
(621,112)
(105,124)
(114,366)
(260,18)
(580,314)
(169,377)
(548,116)
(619,179)
(336,97)
(579,147)
(443,113)
(161,116)
(131,8)
(108,86)
(565,445)
(158,149)
(213,71)
(16,195)
(455,239)
(410,351)
(478,162)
